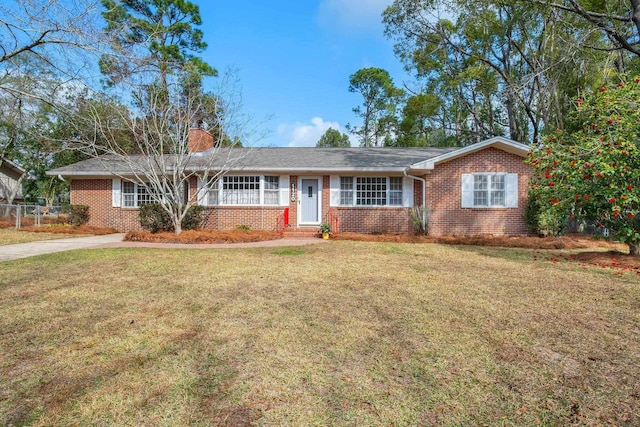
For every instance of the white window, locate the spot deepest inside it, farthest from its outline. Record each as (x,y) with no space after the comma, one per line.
(135,195)
(213,191)
(371,191)
(243,190)
(395,191)
(346,190)
(271,190)
(489,190)
(128,194)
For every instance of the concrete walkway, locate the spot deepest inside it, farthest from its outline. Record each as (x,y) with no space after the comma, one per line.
(24,250)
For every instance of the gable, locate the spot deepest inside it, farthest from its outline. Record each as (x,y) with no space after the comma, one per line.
(499,143)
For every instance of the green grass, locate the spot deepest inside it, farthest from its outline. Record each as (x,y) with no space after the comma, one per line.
(345,333)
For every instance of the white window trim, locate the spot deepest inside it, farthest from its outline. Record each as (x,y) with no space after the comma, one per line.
(510,196)
(282,191)
(118,191)
(336,192)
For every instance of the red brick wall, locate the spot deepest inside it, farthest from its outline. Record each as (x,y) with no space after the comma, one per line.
(96,193)
(444,198)
(326,198)
(229,217)
(417,193)
(293,205)
(373,220)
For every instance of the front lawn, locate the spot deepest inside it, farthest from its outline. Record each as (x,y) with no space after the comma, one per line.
(346,333)
(11,236)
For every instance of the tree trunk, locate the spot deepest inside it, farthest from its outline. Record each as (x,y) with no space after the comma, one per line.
(634,248)
(635,14)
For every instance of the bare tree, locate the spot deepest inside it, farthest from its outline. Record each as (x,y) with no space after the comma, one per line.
(44,49)
(164,158)
(619,21)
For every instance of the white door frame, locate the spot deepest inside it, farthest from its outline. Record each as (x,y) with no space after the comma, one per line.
(300,194)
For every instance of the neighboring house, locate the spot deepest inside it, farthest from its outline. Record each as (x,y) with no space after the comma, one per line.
(478,189)
(11,176)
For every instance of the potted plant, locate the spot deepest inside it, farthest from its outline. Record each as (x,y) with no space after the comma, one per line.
(325,229)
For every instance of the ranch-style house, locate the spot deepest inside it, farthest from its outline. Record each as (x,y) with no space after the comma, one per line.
(477,189)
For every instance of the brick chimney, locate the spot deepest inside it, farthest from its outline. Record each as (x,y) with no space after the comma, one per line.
(199,140)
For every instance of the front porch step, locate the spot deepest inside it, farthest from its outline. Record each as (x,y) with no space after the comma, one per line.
(304,233)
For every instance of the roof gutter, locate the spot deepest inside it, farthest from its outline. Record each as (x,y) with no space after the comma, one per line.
(424,196)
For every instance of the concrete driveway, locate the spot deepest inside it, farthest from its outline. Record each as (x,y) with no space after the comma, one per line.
(24,250)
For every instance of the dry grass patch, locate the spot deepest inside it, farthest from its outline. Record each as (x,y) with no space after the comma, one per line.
(347,333)
(11,236)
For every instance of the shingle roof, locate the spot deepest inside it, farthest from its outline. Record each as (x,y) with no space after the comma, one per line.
(300,160)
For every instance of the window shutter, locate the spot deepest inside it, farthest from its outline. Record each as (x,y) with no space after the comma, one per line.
(511,190)
(202,193)
(116,193)
(467,190)
(407,192)
(283,187)
(334,193)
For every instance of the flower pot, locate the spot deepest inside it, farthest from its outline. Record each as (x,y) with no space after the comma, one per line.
(325,235)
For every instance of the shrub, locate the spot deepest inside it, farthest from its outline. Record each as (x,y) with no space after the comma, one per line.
(243,227)
(420,219)
(541,219)
(155,219)
(531,213)
(78,214)
(193,219)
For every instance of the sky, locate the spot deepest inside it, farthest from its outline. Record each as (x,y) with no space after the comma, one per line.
(293,58)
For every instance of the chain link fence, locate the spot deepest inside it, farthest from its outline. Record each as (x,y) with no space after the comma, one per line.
(26,215)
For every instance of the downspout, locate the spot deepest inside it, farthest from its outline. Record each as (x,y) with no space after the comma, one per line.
(424,197)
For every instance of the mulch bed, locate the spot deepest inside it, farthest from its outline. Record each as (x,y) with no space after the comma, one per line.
(527,242)
(203,236)
(70,229)
(616,257)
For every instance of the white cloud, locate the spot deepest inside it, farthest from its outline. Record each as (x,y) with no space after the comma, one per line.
(305,134)
(352,15)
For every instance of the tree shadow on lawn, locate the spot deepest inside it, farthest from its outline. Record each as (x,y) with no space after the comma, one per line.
(61,387)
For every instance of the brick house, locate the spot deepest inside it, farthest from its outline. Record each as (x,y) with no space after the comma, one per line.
(478,189)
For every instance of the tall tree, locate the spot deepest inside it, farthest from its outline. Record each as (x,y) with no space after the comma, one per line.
(44,50)
(163,33)
(333,138)
(380,100)
(29,102)
(618,21)
(154,71)
(495,65)
(419,124)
